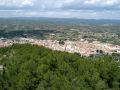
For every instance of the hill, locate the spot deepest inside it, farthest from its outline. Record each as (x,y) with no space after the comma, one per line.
(30,67)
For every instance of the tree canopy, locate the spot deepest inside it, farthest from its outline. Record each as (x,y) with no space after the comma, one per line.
(30,67)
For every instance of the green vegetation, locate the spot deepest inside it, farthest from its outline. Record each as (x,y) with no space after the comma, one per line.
(61,29)
(28,67)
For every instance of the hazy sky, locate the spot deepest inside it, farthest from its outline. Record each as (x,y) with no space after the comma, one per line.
(87,9)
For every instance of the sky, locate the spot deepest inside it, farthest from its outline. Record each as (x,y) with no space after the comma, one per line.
(85,9)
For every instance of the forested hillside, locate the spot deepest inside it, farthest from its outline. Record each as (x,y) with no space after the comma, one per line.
(28,67)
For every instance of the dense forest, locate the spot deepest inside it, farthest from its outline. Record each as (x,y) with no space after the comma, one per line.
(30,67)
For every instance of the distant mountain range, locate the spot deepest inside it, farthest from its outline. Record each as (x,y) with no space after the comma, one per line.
(66,20)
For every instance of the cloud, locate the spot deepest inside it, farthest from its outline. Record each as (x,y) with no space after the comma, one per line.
(88,14)
(27,3)
(16,3)
(102,2)
(61,4)
(61,8)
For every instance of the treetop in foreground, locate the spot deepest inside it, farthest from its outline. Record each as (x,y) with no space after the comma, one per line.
(30,67)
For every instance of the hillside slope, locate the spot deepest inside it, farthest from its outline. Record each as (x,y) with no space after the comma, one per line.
(28,67)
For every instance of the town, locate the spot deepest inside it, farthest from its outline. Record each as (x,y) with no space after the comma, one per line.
(82,47)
